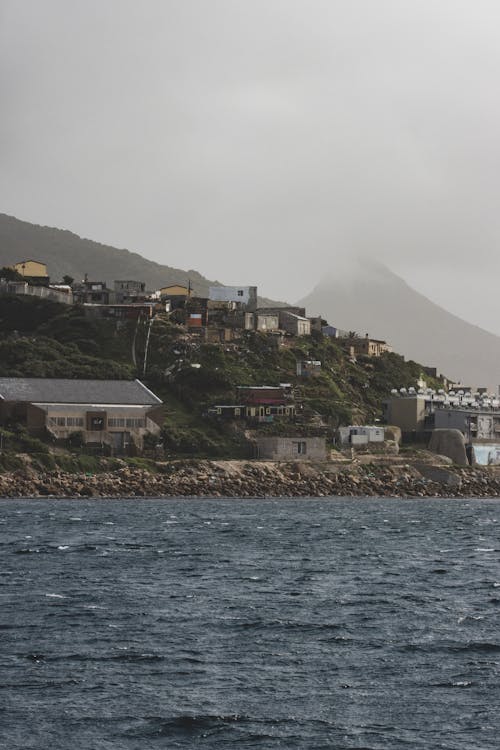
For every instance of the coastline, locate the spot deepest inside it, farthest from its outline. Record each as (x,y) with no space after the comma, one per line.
(258,479)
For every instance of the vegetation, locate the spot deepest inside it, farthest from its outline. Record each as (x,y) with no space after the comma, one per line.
(46,339)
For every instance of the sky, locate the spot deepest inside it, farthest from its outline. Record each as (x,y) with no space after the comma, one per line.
(263,141)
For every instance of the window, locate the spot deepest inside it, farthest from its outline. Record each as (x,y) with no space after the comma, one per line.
(134,423)
(301,447)
(96,423)
(240,292)
(237,412)
(74,421)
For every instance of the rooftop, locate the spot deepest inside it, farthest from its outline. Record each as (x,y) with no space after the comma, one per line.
(68,391)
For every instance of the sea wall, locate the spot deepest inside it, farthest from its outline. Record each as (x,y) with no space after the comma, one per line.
(257,479)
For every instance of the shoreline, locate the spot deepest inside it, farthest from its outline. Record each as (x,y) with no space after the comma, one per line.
(206,479)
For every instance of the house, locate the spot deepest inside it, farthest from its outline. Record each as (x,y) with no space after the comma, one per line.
(33,271)
(261,403)
(265,322)
(368,347)
(117,413)
(264,402)
(308,368)
(176,293)
(295,324)
(245,295)
(291,448)
(129,291)
(91,292)
(360,434)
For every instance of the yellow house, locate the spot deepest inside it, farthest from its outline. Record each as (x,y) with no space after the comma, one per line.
(176,290)
(31,268)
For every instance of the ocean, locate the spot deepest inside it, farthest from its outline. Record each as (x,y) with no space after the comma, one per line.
(308,623)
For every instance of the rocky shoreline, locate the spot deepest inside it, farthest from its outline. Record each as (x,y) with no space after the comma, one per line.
(236,479)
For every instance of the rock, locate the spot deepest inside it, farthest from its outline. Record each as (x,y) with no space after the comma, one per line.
(439,475)
(449,443)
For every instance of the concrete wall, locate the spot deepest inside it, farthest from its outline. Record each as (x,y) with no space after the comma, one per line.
(407,413)
(292,448)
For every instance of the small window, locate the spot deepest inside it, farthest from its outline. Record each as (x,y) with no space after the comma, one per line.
(301,447)
(237,412)
(219,410)
(240,292)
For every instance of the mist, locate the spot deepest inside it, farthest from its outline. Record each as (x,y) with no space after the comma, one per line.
(263,142)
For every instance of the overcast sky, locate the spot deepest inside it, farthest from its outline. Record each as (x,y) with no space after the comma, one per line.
(261,141)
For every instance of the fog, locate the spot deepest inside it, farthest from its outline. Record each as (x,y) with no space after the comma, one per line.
(263,141)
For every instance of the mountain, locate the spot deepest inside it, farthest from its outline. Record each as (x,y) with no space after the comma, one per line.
(369,298)
(66,253)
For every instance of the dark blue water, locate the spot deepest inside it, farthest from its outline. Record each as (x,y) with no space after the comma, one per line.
(354,623)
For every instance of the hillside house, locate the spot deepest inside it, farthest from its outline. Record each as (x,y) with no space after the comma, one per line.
(308,368)
(258,404)
(177,294)
(129,291)
(297,325)
(117,413)
(244,295)
(33,271)
(95,292)
(368,347)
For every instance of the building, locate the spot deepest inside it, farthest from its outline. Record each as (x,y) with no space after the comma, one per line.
(308,368)
(292,448)
(368,347)
(116,413)
(412,413)
(33,271)
(129,291)
(176,293)
(476,415)
(360,434)
(262,403)
(245,295)
(474,424)
(95,292)
(295,324)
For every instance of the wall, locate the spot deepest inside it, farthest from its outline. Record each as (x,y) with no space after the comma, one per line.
(31,268)
(292,448)
(407,413)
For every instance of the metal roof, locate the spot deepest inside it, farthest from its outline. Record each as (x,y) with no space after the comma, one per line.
(68,391)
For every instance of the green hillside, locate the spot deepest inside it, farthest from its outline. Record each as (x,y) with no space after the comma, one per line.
(46,339)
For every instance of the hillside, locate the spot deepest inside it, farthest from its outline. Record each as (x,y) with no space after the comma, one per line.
(45,339)
(371,298)
(66,253)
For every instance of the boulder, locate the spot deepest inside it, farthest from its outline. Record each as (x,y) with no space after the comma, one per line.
(449,443)
(391,432)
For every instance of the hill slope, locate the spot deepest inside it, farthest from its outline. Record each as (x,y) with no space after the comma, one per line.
(67,253)
(370,298)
